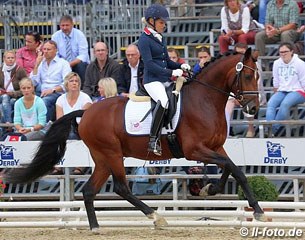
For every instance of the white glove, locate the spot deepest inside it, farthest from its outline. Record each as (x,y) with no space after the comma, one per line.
(177,73)
(185,67)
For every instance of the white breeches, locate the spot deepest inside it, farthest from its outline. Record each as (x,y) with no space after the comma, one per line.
(156,91)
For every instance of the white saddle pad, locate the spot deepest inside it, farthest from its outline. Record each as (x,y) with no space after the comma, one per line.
(134,113)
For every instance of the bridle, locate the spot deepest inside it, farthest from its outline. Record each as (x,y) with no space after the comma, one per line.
(237,81)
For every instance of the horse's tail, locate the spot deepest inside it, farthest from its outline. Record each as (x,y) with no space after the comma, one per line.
(50,151)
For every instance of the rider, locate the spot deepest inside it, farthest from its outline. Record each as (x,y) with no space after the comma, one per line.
(158,68)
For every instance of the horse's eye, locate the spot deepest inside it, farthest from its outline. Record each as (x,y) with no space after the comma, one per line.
(248,76)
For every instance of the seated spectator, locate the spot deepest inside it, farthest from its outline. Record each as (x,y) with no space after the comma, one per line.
(71,101)
(131,72)
(289,85)
(48,74)
(174,55)
(26,56)
(236,25)
(203,56)
(30,112)
(72,46)
(10,76)
(101,67)
(281,24)
(107,88)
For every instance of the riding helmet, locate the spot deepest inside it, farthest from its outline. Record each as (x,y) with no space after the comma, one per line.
(156,11)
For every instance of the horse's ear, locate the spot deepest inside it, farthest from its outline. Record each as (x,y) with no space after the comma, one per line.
(248,53)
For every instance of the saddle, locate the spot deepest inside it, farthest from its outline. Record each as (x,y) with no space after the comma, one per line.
(141,95)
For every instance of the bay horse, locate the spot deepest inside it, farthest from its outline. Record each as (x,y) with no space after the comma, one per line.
(201,133)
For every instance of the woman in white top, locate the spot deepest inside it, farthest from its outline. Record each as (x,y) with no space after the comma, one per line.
(288,83)
(236,25)
(71,101)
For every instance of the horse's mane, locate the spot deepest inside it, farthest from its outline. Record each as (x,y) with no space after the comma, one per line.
(215,59)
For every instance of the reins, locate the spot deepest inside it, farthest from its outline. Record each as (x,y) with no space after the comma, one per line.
(240,94)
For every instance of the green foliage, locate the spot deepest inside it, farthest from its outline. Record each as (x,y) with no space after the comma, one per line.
(262,188)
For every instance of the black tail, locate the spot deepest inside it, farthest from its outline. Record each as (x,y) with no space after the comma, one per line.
(50,151)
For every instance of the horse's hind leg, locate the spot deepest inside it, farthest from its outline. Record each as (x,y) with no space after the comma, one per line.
(122,189)
(91,188)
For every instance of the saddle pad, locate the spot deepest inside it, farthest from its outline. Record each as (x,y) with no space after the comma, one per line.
(134,113)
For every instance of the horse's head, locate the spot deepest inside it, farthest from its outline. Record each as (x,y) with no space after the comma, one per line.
(245,83)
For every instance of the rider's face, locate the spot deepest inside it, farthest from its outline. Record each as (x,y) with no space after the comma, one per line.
(160,25)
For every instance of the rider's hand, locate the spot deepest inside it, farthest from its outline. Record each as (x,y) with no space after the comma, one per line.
(177,73)
(185,67)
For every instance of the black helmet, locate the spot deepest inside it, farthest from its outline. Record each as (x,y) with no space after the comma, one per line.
(156,11)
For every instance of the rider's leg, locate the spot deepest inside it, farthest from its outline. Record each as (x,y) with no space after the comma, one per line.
(155,131)
(157,92)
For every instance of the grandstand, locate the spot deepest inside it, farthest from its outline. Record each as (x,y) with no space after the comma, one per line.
(118,23)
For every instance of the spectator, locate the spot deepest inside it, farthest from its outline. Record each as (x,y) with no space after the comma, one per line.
(236,25)
(131,75)
(71,101)
(107,88)
(26,56)
(174,55)
(30,112)
(48,74)
(101,67)
(289,85)
(203,56)
(10,76)
(281,24)
(158,68)
(73,46)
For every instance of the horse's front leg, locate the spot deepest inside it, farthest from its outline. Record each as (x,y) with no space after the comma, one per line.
(242,181)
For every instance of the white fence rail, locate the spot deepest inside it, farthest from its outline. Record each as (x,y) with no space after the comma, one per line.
(66,214)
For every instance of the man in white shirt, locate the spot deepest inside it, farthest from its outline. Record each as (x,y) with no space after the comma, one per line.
(73,46)
(48,75)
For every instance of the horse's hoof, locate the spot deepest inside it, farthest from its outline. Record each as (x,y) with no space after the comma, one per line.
(96,231)
(260,217)
(159,221)
(204,192)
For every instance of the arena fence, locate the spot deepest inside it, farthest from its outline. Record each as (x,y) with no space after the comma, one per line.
(177,212)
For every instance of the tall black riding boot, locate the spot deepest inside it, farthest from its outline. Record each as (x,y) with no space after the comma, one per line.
(154,144)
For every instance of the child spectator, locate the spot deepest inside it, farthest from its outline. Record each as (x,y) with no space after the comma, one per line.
(174,55)
(107,88)
(30,112)
(203,56)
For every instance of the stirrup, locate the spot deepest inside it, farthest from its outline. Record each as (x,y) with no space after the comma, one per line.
(155,147)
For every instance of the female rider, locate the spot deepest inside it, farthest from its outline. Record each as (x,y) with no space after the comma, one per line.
(158,68)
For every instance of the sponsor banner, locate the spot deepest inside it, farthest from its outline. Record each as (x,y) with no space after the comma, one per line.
(274,151)
(253,152)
